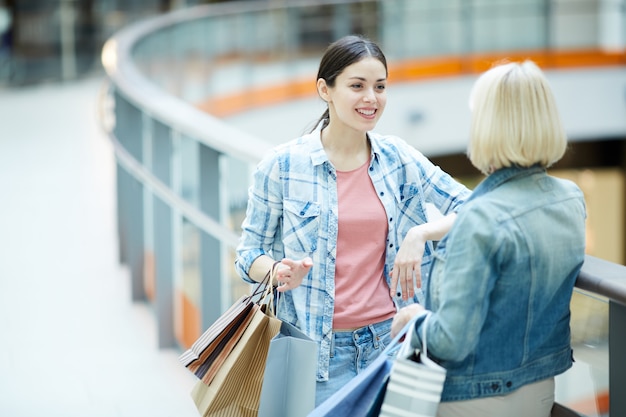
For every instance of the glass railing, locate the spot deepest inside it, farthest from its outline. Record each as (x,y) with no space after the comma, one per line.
(183,173)
(585,387)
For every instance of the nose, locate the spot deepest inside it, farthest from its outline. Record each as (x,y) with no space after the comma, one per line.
(369,96)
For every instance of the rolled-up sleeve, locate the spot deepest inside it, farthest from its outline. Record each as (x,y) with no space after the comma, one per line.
(263,213)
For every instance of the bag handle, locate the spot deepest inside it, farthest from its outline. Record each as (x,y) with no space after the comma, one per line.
(424,333)
(395,342)
(423,357)
(262,292)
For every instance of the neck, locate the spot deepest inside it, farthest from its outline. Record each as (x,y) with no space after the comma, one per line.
(346,150)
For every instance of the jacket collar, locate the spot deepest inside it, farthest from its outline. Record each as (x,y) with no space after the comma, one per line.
(499,177)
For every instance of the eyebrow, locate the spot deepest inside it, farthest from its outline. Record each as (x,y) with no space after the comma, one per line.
(363,79)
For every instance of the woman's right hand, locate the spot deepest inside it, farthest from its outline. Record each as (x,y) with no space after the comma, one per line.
(289,273)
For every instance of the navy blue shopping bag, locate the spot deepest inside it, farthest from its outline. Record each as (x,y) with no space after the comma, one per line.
(363,395)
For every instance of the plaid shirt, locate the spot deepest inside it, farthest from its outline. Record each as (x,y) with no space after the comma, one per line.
(292,213)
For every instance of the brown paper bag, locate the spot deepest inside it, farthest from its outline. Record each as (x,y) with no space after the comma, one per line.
(235,390)
(212,358)
(207,354)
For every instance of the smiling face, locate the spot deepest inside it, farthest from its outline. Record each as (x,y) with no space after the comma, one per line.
(358,98)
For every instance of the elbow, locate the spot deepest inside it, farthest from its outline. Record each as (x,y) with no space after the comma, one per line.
(451,348)
(241,270)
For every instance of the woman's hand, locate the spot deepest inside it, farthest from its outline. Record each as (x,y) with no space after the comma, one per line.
(408,263)
(289,273)
(403,316)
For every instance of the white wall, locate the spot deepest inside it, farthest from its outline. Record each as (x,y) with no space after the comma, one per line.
(434,117)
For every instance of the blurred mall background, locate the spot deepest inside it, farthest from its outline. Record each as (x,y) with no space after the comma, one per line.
(129,129)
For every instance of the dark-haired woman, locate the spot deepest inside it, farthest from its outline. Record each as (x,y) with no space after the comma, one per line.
(343,211)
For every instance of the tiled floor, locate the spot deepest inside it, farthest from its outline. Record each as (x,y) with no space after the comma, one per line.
(71,341)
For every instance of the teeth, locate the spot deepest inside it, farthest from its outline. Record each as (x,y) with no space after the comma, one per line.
(366,112)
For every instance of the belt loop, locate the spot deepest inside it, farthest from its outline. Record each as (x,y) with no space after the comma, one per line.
(332,344)
(375,338)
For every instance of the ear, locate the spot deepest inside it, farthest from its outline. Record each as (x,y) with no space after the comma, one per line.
(322,90)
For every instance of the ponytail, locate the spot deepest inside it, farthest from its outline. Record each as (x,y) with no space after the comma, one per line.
(324,118)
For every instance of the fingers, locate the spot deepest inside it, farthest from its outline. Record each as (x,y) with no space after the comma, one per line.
(291,273)
(399,321)
(418,278)
(283,276)
(397,324)
(394,282)
(403,316)
(403,275)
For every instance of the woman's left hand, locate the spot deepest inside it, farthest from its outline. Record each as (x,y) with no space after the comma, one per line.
(407,265)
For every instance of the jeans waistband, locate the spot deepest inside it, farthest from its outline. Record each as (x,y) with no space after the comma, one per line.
(370,332)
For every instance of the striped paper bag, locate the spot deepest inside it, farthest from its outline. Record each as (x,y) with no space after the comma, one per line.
(235,390)
(415,383)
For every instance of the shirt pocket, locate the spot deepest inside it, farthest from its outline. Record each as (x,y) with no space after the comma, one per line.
(409,201)
(301,225)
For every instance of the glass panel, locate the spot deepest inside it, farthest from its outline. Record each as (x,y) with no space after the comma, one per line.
(585,387)
(190,263)
(508,25)
(190,174)
(238,174)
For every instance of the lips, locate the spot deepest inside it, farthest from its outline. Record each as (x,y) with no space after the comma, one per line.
(366,112)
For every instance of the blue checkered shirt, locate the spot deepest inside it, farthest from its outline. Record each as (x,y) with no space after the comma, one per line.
(292,213)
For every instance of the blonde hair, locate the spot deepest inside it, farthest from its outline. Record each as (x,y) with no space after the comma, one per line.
(515,120)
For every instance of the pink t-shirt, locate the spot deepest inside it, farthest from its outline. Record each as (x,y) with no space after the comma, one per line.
(361,292)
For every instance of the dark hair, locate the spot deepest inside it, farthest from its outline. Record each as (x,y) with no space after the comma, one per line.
(341,54)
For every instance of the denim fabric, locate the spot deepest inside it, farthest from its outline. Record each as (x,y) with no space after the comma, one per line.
(501,284)
(363,394)
(352,352)
(292,213)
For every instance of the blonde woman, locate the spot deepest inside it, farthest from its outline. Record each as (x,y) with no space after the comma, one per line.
(501,282)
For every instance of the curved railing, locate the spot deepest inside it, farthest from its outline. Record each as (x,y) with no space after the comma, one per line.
(183,173)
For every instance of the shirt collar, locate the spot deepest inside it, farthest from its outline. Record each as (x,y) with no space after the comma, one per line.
(314,144)
(316,149)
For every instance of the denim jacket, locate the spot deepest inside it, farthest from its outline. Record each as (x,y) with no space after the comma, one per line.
(501,284)
(292,213)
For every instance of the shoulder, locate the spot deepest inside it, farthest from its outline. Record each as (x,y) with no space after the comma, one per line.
(567,185)
(294,151)
(393,147)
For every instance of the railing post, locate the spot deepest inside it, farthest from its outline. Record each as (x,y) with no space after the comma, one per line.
(128,125)
(211,248)
(163,237)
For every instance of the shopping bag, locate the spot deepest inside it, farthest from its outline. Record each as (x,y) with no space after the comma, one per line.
(236,388)
(415,383)
(362,395)
(207,354)
(290,375)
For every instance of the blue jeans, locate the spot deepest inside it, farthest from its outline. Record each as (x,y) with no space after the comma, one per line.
(350,353)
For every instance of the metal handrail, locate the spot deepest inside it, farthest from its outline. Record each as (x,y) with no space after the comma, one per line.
(603,278)
(121,69)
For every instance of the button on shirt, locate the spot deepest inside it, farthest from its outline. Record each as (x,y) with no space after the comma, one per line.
(292,213)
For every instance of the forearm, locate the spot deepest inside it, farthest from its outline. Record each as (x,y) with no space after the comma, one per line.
(260,267)
(436,229)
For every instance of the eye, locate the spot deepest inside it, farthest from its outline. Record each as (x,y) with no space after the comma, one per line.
(381,87)
(356,85)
